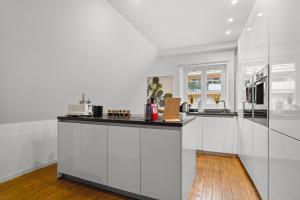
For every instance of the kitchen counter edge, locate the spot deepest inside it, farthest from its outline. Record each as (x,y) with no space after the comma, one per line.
(132,120)
(203,114)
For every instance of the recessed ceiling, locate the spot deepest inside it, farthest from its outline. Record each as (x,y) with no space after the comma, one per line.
(169,24)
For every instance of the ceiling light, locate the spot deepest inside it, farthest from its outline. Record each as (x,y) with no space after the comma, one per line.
(233,2)
(228,32)
(248,29)
(260,14)
(230,20)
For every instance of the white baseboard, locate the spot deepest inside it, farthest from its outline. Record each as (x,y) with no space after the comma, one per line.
(20,173)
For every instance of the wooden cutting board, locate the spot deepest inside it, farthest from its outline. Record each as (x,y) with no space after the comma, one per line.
(171,111)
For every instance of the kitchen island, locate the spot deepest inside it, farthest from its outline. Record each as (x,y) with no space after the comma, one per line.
(139,159)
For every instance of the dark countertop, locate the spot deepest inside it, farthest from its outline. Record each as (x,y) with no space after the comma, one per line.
(137,120)
(205,114)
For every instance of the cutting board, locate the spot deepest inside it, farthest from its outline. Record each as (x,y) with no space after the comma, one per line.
(171,111)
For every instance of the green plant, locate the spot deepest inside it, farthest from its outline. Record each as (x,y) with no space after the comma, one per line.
(155,91)
(155,88)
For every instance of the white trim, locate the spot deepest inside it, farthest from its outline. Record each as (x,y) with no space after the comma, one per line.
(208,64)
(26,171)
(220,46)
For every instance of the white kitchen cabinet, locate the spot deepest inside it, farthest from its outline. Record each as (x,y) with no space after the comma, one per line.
(246,145)
(284,63)
(199,131)
(260,159)
(69,149)
(94,153)
(124,158)
(189,135)
(218,134)
(160,164)
(284,167)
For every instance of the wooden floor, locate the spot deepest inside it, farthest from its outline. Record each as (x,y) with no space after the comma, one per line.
(221,178)
(217,178)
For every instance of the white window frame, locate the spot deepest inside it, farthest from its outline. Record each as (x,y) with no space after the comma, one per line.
(204,91)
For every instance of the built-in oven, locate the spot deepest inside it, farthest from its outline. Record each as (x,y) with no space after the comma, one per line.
(260,97)
(248,104)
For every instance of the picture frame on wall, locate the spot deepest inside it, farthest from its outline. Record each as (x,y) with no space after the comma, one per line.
(159,88)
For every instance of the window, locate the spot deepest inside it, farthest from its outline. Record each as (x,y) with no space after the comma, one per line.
(205,85)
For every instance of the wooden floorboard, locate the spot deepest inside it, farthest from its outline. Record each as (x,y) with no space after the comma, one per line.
(221,178)
(217,178)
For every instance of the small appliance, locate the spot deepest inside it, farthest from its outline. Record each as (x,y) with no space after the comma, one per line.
(80,110)
(84,108)
(98,111)
(256,106)
(260,97)
(184,107)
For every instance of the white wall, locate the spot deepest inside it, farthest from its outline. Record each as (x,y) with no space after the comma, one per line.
(53,50)
(50,52)
(169,65)
(26,146)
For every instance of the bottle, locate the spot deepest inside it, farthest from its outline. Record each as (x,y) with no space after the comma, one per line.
(154,110)
(148,110)
(200,108)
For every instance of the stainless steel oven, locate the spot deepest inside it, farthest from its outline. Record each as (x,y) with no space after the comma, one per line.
(248,104)
(261,97)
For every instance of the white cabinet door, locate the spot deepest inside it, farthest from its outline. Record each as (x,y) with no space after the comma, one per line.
(94,153)
(285,66)
(260,159)
(218,134)
(284,167)
(246,146)
(124,158)
(160,164)
(199,132)
(69,148)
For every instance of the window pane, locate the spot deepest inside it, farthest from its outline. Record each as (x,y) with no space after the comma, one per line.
(214,88)
(194,88)
(214,80)
(194,82)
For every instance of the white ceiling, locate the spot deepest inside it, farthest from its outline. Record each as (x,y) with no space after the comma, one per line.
(169,24)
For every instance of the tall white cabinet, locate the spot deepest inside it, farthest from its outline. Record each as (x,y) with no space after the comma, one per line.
(285,67)
(284,167)
(271,36)
(246,144)
(260,159)
(284,99)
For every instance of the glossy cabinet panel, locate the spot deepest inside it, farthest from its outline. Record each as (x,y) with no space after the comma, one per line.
(189,135)
(284,167)
(124,158)
(69,149)
(199,137)
(253,48)
(246,145)
(94,153)
(260,159)
(160,163)
(218,134)
(285,66)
